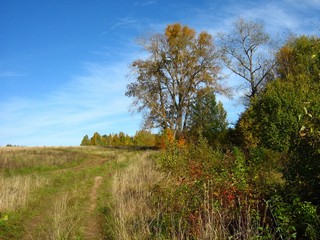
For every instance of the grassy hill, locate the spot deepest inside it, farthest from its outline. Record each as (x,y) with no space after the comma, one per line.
(183,192)
(67,193)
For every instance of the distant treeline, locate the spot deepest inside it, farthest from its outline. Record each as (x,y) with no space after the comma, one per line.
(142,138)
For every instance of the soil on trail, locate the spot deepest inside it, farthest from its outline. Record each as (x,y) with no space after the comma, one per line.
(93,229)
(93,197)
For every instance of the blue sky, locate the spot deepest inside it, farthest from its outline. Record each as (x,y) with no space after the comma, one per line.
(64,63)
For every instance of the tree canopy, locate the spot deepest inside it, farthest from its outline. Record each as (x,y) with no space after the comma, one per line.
(181,67)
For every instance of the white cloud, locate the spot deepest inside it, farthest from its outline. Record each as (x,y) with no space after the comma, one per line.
(11,74)
(95,101)
(298,16)
(88,103)
(124,23)
(279,17)
(303,4)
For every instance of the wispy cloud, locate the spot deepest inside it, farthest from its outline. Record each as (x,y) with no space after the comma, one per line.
(275,16)
(145,3)
(314,4)
(124,23)
(11,74)
(278,16)
(95,101)
(91,102)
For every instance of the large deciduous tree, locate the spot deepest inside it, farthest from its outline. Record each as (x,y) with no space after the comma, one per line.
(181,67)
(245,52)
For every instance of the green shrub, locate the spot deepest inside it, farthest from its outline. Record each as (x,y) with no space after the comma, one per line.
(295,219)
(207,190)
(304,165)
(265,170)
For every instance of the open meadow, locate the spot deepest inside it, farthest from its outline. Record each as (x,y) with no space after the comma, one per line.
(181,192)
(72,192)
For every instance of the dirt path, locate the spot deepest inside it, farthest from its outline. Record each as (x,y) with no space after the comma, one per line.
(93,229)
(93,196)
(93,222)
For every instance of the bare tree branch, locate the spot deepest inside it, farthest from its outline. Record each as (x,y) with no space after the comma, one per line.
(242,49)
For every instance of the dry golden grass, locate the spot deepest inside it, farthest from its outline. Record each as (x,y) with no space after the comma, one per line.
(24,157)
(14,191)
(63,218)
(73,196)
(50,193)
(131,191)
(15,188)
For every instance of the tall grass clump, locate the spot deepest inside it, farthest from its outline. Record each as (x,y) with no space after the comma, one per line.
(63,219)
(15,190)
(131,210)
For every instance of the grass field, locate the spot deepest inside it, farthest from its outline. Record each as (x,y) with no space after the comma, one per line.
(74,193)
(121,194)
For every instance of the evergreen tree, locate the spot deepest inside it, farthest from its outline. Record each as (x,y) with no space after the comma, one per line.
(207,118)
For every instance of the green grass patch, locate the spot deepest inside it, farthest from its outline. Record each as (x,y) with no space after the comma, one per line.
(59,207)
